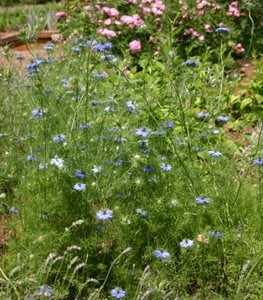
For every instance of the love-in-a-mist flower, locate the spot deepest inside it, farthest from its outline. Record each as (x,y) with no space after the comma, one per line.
(97,169)
(214,153)
(185,243)
(57,162)
(104,214)
(258,161)
(165,167)
(118,293)
(161,254)
(202,200)
(80,187)
(37,113)
(45,291)
(59,138)
(144,132)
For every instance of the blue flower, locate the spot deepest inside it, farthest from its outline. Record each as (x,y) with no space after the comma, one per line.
(144,132)
(185,243)
(99,47)
(84,126)
(165,167)
(80,187)
(142,212)
(222,118)
(160,254)
(118,293)
(80,174)
(131,106)
(75,49)
(99,75)
(107,57)
(97,169)
(203,115)
(222,30)
(37,113)
(148,169)
(108,46)
(104,214)
(190,63)
(59,138)
(42,166)
(201,200)
(258,161)
(94,102)
(214,153)
(216,234)
(14,210)
(20,57)
(45,291)
(31,158)
(120,140)
(49,47)
(168,124)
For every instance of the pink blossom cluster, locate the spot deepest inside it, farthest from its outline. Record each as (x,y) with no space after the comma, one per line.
(155,7)
(233,9)
(131,21)
(193,33)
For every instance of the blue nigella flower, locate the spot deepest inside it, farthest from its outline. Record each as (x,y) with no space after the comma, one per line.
(94,102)
(45,291)
(120,140)
(222,118)
(185,243)
(168,124)
(144,132)
(104,214)
(190,63)
(148,169)
(31,158)
(131,106)
(80,187)
(97,169)
(49,47)
(84,126)
(201,200)
(80,174)
(99,48)
(20,57)
(142,212)
(203,115)
(222,30)
(214,153)
(37,113)
(42,167)
(165,167)
(108,46)
(258,161)
(99,75)
(59,138)
(216,234)
(118,293)
(75,49)
(107,57)
(14,210)
(160,254)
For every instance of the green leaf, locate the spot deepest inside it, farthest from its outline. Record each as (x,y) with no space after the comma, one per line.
(245,102)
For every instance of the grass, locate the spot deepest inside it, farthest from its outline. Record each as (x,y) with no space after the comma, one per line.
(126,178)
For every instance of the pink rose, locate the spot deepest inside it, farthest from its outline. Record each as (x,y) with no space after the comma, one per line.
(135,46)
(60,14)
(106,32)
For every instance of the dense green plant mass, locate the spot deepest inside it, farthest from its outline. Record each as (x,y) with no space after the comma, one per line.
(118,169)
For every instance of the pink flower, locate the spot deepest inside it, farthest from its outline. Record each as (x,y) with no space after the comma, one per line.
(201,38)
(135,46)
(111,12)
(106,32)
(133,1)
(107,21)
(239,49)
(60,14)
(127,20)
(208,28)
(56,37)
